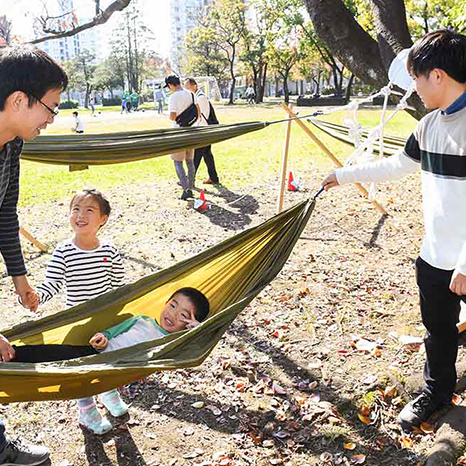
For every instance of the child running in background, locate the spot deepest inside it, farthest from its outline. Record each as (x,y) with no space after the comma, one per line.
(185,308)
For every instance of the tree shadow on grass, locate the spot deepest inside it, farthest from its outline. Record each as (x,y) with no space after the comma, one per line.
(127,452)
(233,211)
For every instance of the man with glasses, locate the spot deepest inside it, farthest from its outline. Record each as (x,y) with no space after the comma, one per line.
(30,89)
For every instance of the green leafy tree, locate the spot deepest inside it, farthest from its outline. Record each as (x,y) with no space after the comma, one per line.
(81,71)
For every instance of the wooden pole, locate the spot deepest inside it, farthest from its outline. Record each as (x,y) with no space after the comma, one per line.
(33,240)
(284,162)
(330,155)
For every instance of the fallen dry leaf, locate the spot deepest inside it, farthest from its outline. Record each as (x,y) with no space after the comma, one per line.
(358,459)
(349,446)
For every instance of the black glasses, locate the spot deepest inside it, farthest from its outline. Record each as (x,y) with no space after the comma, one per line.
(53,112)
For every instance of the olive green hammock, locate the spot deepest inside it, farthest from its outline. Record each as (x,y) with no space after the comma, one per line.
(230,274)
(391,144)
(111,148)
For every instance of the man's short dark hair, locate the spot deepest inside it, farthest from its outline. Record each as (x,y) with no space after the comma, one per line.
(444,49)
(199,300)
(191,81)
(172,79)
(30,70)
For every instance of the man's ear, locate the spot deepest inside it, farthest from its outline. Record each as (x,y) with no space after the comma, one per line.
(16,99)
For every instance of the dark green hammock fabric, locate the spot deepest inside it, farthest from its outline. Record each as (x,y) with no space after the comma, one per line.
(392,144)
(110,148)
(231,274)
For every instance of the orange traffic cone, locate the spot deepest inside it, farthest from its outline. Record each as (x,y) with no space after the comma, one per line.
(292,185)
(201,203)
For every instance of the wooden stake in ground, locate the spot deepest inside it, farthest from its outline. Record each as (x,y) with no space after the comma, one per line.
(33,240)
(284,161)
(330,155)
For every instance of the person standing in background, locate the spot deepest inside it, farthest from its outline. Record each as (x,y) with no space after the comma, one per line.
(203,152)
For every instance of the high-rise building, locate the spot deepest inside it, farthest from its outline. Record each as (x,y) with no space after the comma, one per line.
(67,48)
(183,16)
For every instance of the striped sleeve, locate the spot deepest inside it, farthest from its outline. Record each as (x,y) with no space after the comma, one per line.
(54,277)
(118,270)
(10,245)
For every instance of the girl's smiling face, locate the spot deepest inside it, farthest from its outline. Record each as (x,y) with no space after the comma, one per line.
(177,313)
(85,216)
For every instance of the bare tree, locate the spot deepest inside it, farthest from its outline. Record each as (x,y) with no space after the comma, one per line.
(5,30)
(66,25)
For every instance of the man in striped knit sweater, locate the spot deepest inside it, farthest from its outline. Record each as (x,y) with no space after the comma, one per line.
(437,64)
(31,85)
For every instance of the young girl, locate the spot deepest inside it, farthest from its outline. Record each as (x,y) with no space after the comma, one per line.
(185,308)
(88,267)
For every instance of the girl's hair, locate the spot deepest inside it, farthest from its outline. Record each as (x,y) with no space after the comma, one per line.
(97,196)
(30,70)
(443,49)
(199,300)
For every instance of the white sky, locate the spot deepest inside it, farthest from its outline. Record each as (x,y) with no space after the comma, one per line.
(156,15)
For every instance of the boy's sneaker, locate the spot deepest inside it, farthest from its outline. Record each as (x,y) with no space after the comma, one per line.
(18,454)
(91,419)
(418,411)
(185,195)
(113,402)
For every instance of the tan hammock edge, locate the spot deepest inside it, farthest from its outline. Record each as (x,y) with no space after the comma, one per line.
(111,148)
(231,274)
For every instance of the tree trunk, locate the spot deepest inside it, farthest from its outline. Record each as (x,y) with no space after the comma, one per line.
(392,32)
(348,87)
(354,47)
(286,91)
(233,83)
(264,82)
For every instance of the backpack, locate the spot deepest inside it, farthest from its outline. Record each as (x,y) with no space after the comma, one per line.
(188,116)
(212,120)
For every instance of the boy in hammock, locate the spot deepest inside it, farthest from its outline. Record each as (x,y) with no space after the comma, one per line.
(437,63)
(185,308)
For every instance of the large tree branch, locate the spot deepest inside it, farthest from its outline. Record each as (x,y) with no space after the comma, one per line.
(391,28)
(347,40)
(101,18)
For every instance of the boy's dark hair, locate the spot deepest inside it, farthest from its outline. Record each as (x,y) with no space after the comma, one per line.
(199,300)
(30,70)
(191,81)
(75,113)
(97,196)
(443,49)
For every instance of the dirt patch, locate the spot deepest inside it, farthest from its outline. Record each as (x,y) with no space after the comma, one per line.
(305,375)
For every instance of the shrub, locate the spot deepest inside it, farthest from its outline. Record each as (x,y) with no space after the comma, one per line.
(111,102)
(68,104)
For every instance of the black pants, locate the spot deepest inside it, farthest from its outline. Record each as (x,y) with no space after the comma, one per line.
(49,353)
(206,153)
(440,309)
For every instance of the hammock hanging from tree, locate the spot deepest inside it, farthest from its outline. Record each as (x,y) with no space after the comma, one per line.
(230,274)
(110,148)
(392,144)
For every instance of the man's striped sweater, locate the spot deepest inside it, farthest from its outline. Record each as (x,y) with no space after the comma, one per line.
(10,245)
(438,148)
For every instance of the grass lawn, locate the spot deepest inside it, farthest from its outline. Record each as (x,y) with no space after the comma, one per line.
(245,161)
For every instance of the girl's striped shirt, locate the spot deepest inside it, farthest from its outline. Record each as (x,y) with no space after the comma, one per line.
(85,274)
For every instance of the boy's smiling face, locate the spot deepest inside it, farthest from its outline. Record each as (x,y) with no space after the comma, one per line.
(177,313)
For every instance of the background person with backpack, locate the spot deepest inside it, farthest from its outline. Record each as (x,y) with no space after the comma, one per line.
(183,111)
(207,117)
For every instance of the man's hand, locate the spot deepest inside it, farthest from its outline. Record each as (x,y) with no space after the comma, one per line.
(28,297)
(7,352)
(458,283)
(99,341)
(330,182)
